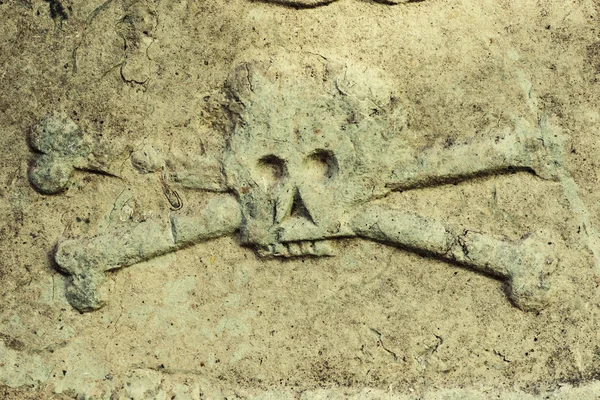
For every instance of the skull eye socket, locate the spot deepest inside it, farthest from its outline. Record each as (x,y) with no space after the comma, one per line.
(322,164)
(271,168)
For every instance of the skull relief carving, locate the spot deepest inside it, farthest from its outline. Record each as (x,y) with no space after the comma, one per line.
(312,145)
(305,150)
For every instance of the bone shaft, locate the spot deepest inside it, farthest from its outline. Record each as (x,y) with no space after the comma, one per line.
(148,239)
(429,237)
(109,251)
(200,173)
(222,216)
(486,254)
(459,162)
(403,229)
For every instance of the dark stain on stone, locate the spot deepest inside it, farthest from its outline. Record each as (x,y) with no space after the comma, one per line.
(57,10)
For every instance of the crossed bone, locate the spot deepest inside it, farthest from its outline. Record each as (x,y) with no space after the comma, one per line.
(285,216)
(523,265)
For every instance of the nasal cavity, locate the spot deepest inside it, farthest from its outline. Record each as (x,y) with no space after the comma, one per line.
(299,209)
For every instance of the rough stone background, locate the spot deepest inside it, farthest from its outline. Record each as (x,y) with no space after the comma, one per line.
(375,322)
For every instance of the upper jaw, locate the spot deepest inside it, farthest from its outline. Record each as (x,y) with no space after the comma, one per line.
(295,230)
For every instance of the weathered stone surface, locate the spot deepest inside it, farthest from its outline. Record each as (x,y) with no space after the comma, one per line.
(298,199)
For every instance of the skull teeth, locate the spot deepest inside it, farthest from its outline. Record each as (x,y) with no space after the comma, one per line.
(298,249)
(294,249)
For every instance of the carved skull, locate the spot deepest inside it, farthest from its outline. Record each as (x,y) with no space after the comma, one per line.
(307,145)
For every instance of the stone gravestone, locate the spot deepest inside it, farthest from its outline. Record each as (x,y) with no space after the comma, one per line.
(299,200)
